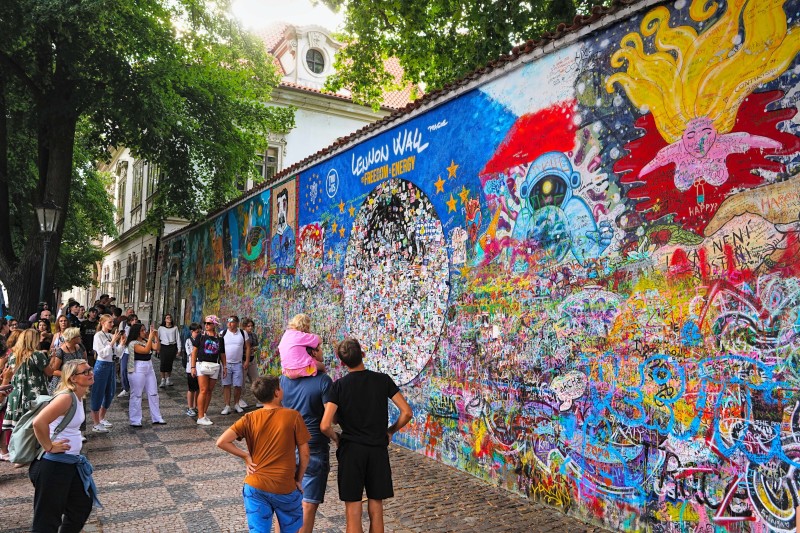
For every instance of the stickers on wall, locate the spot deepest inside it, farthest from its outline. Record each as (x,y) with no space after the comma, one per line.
(396,279)
(310,254)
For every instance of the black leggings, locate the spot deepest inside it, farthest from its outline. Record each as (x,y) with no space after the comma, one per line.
(167,355)
(60,505)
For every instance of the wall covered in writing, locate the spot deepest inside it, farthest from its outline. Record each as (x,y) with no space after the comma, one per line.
(585,273)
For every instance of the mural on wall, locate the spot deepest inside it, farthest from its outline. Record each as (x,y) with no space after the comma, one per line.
(283,229)
(585,273)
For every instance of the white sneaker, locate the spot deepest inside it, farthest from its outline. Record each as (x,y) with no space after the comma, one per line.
(106,423)
(204,421)
(162,384)
(83,438)
(122,394)
(226,410)
(242,404)
(238,408)
(100,428)
(169,382)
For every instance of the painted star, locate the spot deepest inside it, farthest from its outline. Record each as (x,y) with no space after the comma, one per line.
(330,254)
(451,204)
(341,232)
(464,271)
(439,185)
(451,170)
(333,227)
(341,206)
(464,195)
(352,211)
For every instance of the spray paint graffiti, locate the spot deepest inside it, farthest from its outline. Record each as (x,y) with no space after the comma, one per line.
(585,272)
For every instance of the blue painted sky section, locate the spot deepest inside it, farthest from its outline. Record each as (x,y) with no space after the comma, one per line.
(464,133)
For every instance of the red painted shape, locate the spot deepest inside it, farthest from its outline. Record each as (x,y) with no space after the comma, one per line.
(546,130)
(702,256)
(655,193)
(679,265)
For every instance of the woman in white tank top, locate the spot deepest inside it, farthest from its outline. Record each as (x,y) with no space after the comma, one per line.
(63,487)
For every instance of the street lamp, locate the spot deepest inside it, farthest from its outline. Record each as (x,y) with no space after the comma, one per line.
(48,214)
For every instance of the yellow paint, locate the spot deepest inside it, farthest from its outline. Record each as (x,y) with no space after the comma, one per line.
(693,75)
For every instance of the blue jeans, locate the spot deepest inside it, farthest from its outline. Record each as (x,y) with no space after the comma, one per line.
(105,385)
(260,505)
(123,371)
(315,480)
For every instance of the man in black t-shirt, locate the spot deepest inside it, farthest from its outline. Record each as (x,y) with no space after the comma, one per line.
(358,400)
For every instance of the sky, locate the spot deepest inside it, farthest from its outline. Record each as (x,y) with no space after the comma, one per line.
(256,14)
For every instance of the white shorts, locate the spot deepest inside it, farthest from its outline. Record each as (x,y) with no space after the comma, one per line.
(235,376)
(211,370)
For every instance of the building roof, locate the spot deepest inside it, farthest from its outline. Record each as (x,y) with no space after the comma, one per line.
(563,34)
(274,34)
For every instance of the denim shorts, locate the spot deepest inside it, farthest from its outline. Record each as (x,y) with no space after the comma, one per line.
(234,376)
(315,480)
(261,505)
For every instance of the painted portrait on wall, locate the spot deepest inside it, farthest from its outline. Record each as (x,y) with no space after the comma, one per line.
(283,228)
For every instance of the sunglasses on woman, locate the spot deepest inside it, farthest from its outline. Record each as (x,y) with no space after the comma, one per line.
(85,372)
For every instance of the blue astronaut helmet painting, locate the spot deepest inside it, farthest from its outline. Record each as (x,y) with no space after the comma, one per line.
(553,218)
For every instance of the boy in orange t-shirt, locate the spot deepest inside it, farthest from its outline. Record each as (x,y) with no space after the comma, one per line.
(274,482)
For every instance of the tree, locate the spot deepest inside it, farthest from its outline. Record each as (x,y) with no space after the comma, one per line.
(177,81)
(436,41)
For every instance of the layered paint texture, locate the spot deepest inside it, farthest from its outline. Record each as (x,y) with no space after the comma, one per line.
(584,274)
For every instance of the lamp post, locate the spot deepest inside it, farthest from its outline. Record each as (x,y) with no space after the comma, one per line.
(48,214)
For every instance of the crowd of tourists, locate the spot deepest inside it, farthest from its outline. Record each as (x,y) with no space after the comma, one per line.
(81,354)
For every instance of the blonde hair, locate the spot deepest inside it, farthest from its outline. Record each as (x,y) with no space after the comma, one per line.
(102,319)
(68,370)
(27,343)
(12,338)
(713,73)
(70,333)
(300,322)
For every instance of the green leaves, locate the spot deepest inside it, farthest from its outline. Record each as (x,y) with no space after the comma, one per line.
(176,81)
(436,41)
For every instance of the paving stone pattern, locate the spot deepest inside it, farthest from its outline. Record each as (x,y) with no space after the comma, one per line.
(173,478)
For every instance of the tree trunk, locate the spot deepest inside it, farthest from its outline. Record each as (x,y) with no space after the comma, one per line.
(23,285)
(6,248)
(55,167)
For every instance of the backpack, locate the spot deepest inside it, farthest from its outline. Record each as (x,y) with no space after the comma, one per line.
(24,447)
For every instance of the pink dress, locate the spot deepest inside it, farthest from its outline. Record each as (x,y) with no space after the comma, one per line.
(296,362)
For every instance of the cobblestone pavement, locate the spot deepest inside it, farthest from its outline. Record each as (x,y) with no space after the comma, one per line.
(173,478)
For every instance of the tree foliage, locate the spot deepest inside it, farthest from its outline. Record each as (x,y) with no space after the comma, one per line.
(436,41)
(177,81)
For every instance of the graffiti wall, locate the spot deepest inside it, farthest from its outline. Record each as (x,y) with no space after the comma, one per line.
(585,273)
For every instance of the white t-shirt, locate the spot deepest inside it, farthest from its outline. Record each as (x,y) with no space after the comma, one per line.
(169,336)
(105,350)
(188,347)
(234,346)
